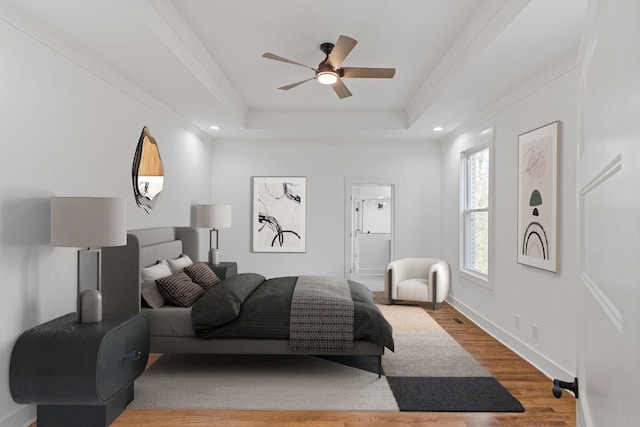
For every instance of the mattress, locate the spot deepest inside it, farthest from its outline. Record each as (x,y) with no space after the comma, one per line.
(169,321)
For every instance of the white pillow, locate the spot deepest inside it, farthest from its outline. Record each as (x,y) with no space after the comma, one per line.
(149,290)
(157,271)
(178,264)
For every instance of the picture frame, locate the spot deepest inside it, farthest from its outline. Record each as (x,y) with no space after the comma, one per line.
(538,197)
(279,214)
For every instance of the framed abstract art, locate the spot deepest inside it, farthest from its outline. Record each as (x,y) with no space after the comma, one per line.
(279,214)
(538,197)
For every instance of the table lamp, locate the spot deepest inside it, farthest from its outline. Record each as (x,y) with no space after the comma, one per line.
(214,217)
(92,223)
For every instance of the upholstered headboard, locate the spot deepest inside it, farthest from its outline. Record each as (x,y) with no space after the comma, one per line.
(121,265)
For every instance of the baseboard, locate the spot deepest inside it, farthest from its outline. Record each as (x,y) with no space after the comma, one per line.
(24,416)
(544,365)
(583,418)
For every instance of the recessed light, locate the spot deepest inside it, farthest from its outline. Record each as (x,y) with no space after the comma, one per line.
(215,127)
(437,128)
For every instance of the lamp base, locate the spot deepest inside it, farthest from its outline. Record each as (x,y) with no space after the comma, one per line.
(90,308)
(214,256)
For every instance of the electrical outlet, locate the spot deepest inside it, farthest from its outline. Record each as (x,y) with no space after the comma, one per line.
(516,321)
(534,331)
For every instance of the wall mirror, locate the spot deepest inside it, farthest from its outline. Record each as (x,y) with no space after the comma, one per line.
(148,172)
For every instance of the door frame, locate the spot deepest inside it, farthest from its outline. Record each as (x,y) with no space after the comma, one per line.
(349,183)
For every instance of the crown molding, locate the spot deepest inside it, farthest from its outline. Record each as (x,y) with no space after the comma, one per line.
(79,57)
(483,28)
(172,30)
(538,81)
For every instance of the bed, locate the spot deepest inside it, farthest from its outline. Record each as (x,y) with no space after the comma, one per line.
(171,327)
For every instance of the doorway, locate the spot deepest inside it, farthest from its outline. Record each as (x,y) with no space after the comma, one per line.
(370,229)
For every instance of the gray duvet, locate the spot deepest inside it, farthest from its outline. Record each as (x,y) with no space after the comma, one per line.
(249,306)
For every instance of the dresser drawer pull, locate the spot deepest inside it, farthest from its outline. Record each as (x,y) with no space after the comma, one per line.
(133,355)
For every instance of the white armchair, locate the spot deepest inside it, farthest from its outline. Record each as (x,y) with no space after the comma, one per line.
(417,279)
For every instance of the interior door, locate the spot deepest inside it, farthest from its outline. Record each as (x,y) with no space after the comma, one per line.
(609,216)
(372,245)
(367,252)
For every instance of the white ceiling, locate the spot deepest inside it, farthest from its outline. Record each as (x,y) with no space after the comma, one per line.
(200,61)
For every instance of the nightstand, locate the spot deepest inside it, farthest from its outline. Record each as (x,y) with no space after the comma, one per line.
(79,374)
(225,269)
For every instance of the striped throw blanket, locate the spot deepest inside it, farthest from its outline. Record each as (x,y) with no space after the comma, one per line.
(321,315)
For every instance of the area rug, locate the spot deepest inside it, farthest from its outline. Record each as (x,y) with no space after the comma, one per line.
(429,371)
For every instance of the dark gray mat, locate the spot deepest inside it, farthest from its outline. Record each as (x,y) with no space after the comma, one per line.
(441,394)
(452,394)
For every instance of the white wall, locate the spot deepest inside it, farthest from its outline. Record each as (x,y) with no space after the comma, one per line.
(65,132)
(326,165)
(539,297)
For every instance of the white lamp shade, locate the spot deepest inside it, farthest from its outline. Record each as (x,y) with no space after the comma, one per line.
(88,221)
(213,216)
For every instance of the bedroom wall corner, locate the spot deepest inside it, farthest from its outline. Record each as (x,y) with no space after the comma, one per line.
(537,297)
(67,132)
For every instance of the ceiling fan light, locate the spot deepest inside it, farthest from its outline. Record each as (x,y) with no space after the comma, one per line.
(327,77)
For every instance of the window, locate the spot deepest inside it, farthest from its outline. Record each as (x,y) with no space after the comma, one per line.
(475,210)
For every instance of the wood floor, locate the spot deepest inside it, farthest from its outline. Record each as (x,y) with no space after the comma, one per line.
(528,385)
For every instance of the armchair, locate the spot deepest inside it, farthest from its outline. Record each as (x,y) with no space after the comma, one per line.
(418,280)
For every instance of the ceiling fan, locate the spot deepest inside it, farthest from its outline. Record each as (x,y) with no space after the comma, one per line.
(329,71)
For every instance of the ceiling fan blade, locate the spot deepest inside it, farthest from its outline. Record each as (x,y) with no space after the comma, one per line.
(270,55)
(342,48)
(340,89)
(378,73)
(292,85)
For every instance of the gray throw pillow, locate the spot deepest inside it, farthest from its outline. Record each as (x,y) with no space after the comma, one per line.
(179,290)
(202,274)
